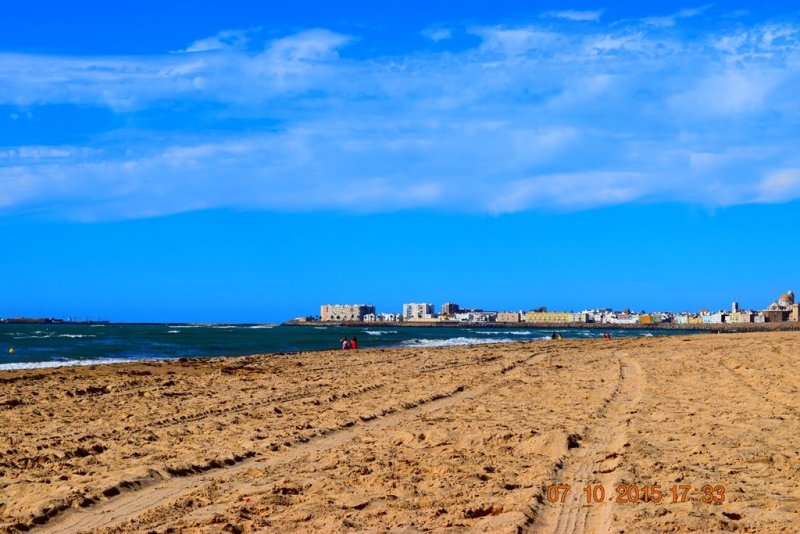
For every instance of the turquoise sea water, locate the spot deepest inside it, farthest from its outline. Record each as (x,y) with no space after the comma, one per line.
(56,345)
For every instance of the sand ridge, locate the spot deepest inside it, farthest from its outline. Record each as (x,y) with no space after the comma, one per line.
(455,439)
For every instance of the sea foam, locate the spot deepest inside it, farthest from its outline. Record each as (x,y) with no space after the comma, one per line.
(453,342)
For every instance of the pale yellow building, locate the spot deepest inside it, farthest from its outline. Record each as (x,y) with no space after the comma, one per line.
(555,317)
(344,312)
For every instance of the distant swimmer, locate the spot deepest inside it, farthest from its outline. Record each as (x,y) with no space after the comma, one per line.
(11,351)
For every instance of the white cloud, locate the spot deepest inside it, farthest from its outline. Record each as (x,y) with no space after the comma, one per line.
(529,118)
(780,186)
(570,191)
(570,14)
(518,41)
(225,40)
(437,34)
(733,92)
(670,20)
(312,45)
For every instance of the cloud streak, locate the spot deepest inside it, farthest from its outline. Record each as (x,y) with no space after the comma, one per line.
(570,14)
(531,117)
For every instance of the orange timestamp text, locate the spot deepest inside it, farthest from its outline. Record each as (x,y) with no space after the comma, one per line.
(631,493)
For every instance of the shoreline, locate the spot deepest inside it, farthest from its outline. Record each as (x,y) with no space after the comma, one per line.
(787,326)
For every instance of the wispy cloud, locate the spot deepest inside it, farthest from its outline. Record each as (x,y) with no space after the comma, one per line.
(669,20)
(571,14)
(437,34)
(528,118)
(780,186)
(225,40)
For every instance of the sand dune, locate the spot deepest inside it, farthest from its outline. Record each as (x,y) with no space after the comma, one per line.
(455,439)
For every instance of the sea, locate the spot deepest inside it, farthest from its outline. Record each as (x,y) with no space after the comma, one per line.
(29,346)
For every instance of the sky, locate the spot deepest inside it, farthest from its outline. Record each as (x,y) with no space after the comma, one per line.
(248,161)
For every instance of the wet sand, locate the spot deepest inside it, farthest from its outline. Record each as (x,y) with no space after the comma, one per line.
(456,439)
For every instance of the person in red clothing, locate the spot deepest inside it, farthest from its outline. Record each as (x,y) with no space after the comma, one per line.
(353,343)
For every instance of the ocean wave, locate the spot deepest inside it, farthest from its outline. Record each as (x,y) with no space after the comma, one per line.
(379,332)
(494,332)
(186,326)
(454,341)
(67,363)
(262,326)
(647,334)
(23,336)
(320,328)
(77,335)
(173,331)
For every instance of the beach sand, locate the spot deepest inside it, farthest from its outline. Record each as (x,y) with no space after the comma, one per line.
(455,439)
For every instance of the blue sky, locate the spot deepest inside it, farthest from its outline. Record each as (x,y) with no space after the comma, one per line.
(249,161)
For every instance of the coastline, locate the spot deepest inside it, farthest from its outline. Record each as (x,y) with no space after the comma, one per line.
(415,439)
(787,326)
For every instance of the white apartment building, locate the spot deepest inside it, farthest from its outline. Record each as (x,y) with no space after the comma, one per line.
(383,317)
(476,317)
(417,311)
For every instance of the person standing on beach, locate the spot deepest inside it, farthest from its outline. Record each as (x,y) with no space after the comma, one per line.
(345,343)
(353,343)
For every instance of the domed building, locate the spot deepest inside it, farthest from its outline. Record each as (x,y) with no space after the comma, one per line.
(783,309)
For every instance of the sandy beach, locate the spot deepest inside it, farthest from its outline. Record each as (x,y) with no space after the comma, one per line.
(459,439)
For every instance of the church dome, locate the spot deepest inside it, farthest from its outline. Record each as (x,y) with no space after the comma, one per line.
(788,298)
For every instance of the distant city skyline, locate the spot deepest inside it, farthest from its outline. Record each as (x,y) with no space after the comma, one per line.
(246,161)
(783,308)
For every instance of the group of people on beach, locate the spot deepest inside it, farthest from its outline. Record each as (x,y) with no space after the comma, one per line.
(349,344)
(606,335)
(555,336)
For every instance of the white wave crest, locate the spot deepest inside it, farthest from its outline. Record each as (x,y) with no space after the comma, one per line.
(65,363)
(494,332)
(379,332)
(173,331)
(262,326)
(320,327)
(454,342)
(76,335)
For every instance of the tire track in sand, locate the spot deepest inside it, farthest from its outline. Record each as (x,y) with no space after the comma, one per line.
(594,461)
(133,504)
